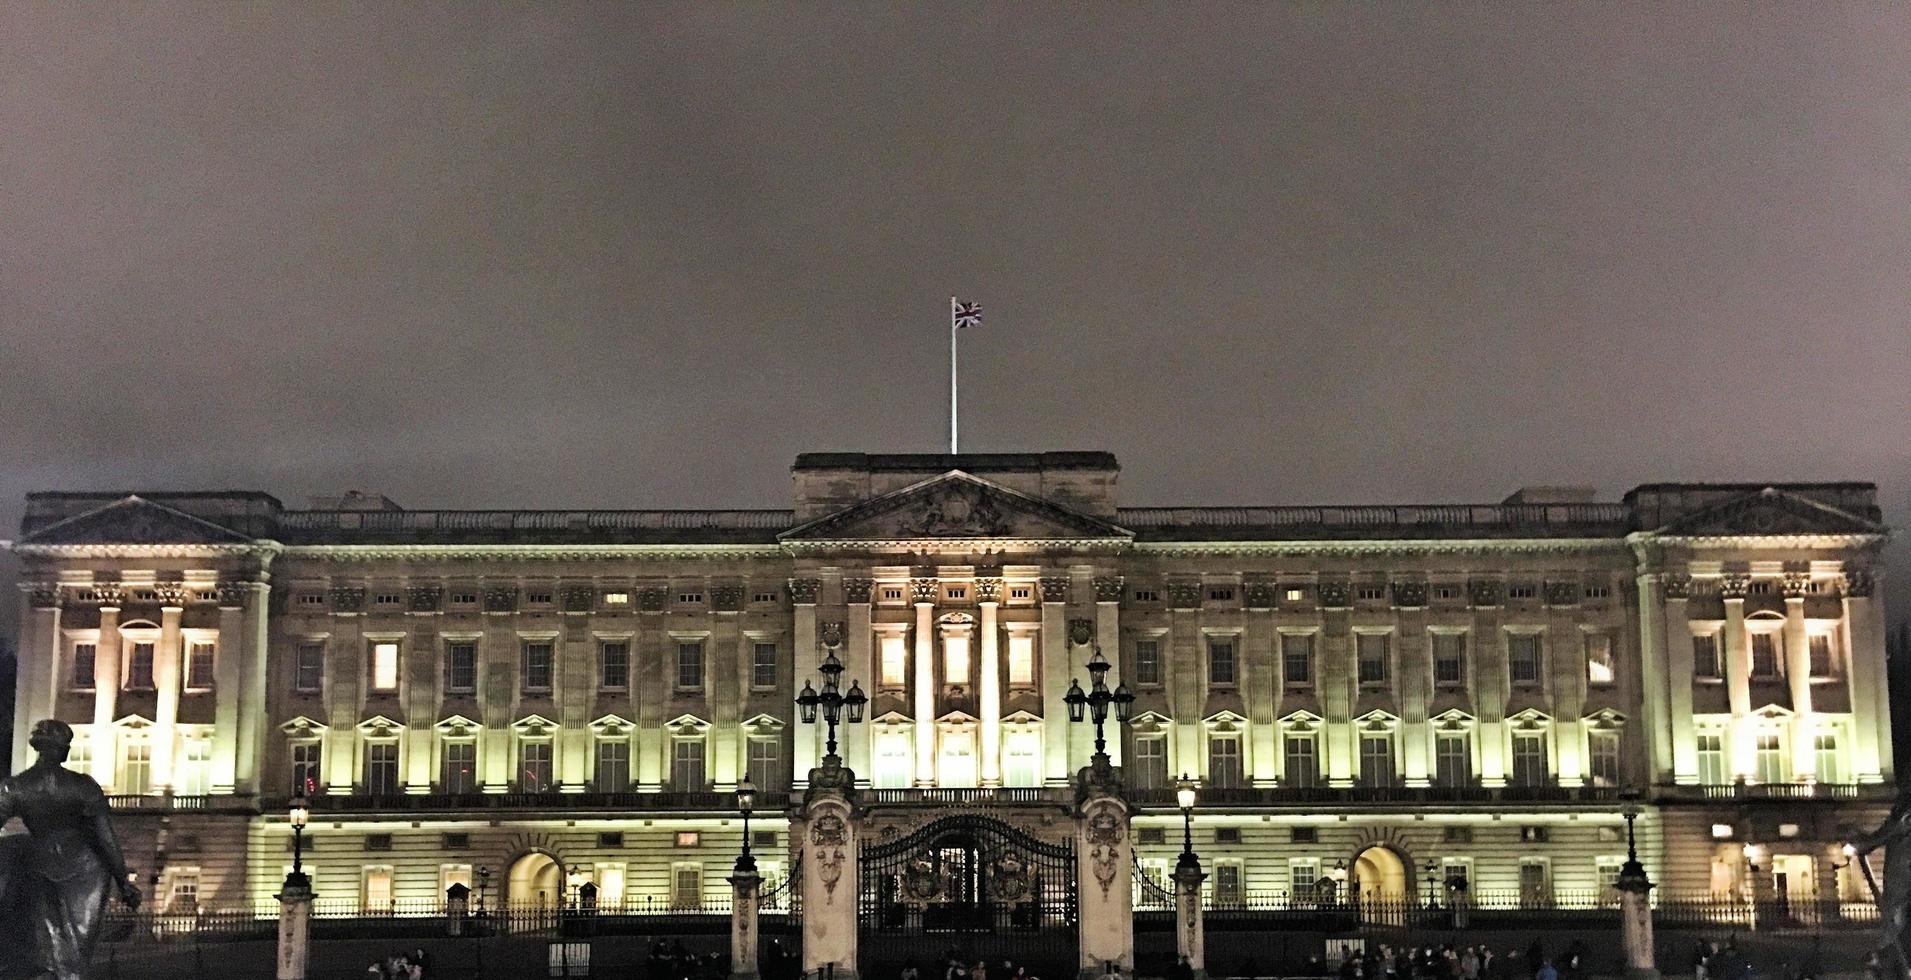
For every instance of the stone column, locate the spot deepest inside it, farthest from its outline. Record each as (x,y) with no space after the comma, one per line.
(1108,637)
(923,590)
(1190,940)
(39,652)
(1104,854)
(1055,671)
(1865,672)
(1488,655)
(724,680)
(253,715)
(1738,680)
(1336,681)
(804,752)
(1798,678)
(228,689)
(743,935)
(1677,680)
(295,913)
(860,658)
(1413,680)
(166,684)
(651,686)
(1186,677)
(1655,684)
(988,595)
(106,678)
(831,837)
(1260,646)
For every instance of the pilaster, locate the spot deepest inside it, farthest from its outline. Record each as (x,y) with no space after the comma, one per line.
(228,689)
(924,685)
(806,748)
(724,690)
(1798,681)
(1108,637)
(106,681)
(988,594)
(1866,673)
(1740,747)
(166,667)
(38,665)
(1259,649)
(1055,670)
(859,646)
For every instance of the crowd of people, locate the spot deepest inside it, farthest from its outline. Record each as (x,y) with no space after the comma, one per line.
(415,965)
(955,966)
(1448,962)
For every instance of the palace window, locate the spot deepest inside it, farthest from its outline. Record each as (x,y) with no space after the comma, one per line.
(1596,590)
(1020,592)
(1529,759)
(1822,662)
(308,667)
(1536,883)
(894,761)
(1769,754)
(375,892)
(305,767)
(135,777)
(616,598)
(1370,593)
(613,765)
(686,885)
(1449,659)
(1149,769)
(1602,756)
(1828,766)
(1221,661)
(1297,659)
(1224,761)
(1376,759)
(613,665)
(80,757)
(763,666)
(85,656)
(460,767)
(1371,658)
(535,773)
(1147,662)
(388,598)
(955,659)
(182,892)
(765,765)
(689,666)
(1765,655)
(1301,753)
(1523,658)
(1303,879)
(1711,753)
(895,659)
(381,768)
(1600,669)
(1021,759)
(1022,659)
(193,773)
(1227,883)
(139,668)
(1705,656)
(461,667)
(385,666)
(537,666)
(1452,759)
(690,597)
(686,765)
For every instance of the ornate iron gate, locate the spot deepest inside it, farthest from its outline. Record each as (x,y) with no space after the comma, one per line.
(980,882)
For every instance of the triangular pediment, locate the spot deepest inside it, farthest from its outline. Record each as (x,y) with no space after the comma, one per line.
(135,521)
(1770,511)
(612,726)
(303,727)
(764,724)
(955,506)
(458,726)
(380,726)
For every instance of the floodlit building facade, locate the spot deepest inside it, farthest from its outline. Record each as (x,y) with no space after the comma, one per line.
(1372,698)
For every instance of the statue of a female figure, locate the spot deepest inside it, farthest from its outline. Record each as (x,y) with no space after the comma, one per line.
(71,865)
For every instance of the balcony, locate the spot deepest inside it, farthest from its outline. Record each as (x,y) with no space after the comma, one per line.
(707,801)
(1383,795)
(1062,795)
(1740,792)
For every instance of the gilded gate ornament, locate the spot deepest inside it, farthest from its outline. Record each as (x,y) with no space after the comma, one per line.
(828,835)
(1010,881)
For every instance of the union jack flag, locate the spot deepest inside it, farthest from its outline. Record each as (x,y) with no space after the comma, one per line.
(966,314)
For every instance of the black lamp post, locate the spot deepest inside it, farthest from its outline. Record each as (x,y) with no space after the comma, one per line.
(746,801)
(833,702)
(484,881)
(298,815)
(1189,862)
(1093,704)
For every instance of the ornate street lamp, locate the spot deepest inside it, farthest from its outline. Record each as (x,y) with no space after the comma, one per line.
(484,881)
(746,801)
(1184,797)
(832,701)
(1093,704)
(298,815)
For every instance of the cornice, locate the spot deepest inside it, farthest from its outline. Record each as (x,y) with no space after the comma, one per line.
(264,549)
(1645,542)
(1369,546)
(532,552)
(953,546)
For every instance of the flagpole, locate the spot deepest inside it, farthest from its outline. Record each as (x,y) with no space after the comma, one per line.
(952,377)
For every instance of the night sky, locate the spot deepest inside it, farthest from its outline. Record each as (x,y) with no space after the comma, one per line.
(626,256)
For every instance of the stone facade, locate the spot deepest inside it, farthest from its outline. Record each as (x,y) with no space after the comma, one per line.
(1367,694)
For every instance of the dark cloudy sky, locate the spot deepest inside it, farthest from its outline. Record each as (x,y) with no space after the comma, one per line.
(566,255)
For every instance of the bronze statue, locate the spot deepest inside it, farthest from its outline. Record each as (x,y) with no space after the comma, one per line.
(1894,902)
(63,870)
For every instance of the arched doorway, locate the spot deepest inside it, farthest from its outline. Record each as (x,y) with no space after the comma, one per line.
(1379,883)
(536,880)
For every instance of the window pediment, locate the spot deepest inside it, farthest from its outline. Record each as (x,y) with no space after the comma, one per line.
(1454,720)
(1605,719)
(1225,722)
(303,727)
(612,726)
(380,727)
(687,726)
(1376,721)
(458,726)
(134,722)
(534,726)
(1530,720)
(765,724)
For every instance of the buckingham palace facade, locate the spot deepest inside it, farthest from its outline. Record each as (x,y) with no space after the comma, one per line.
(1376,696)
